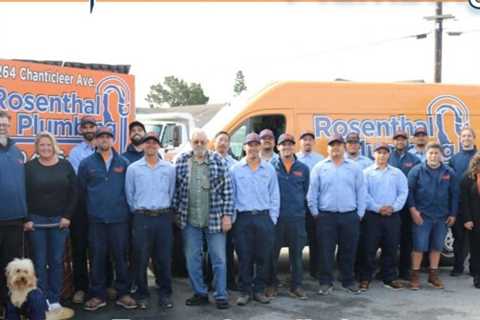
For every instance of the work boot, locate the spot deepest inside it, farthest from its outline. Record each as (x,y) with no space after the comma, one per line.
(271,292)
(434,279)
(415,280)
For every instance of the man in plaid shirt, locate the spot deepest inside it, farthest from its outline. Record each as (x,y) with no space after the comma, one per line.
(204,203)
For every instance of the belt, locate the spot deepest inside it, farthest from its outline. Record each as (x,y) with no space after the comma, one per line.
(153,213)
(253,212)
(338,212)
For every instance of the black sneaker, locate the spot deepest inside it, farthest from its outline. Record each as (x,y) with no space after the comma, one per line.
(352,288)
(456,273)
(197,300)
(222,304)
(167,302)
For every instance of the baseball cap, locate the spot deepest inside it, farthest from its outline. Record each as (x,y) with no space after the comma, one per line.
(265,133)
(87,120)
(284,137)
(151,136)
(353,137)
(104,130)
(307,133)
(420,130)
(400,133)
(252,137)
(136,124)
(335,138)
(382,145)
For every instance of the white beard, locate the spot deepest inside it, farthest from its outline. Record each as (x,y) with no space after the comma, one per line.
(3,140)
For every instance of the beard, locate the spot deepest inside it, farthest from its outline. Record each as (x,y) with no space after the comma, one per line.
(89,136)
(3,140)
(136,140)
(198,152)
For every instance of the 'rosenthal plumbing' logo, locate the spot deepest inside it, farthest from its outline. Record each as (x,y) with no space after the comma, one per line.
(474,3)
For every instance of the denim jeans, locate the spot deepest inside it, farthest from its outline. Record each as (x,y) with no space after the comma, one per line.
(153,238)
(193,243)
(104,238)
(254,236)
(48,245)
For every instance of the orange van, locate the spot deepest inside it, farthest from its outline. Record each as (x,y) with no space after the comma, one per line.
(374,110)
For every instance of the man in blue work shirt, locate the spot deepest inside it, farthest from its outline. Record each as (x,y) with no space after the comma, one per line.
(79,224)
(13,203)
(433,202)
(134,151)
(101,179)
(387,192)
(405,161)
(336,197)
(149,187)
(257,204)
(293,180)
(420,139)
(459,162)
(204,204)
(310,158)
(221,145)
(353,151)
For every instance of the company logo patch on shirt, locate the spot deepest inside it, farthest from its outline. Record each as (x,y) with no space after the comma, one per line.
(408,164)
(446,177)
(118,169)
(298,173)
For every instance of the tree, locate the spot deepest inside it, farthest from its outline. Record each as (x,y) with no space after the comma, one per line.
(239,85)
(176,92)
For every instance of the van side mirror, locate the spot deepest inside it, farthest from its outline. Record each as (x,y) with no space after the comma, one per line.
(177,136)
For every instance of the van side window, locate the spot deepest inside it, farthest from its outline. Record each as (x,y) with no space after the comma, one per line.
(276,123)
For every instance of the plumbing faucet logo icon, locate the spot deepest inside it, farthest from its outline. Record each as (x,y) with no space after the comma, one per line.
(113,92)
(474,4)
(447,116)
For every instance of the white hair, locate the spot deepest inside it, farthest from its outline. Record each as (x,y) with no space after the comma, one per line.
(198,132)
(21,280)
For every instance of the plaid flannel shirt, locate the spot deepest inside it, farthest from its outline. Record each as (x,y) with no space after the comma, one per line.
(221,190)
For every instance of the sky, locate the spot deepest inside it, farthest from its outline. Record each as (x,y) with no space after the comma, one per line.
(209,42)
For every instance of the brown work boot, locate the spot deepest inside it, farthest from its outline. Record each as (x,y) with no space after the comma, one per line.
(364,285)
(434,279)
(415,280)
(271,292)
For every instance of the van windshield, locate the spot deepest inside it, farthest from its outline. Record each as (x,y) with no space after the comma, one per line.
(275,122)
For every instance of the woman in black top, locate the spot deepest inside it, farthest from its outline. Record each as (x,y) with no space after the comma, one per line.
(470,199)
(51,199)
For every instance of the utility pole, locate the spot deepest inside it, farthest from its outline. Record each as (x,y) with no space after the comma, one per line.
(438,20)
(438,42)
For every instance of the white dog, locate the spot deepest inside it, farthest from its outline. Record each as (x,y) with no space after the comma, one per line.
(25,298)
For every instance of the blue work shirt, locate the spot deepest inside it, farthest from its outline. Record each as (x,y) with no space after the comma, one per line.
(433,192)
(419,154)
(310,159)
(337,188)
(362,161)
(132,154)
(404,161)
(256,190)
(78,153)
(150,188)
(459,163)
(385,187)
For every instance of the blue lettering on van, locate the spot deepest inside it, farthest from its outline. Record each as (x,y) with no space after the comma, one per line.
(435,124)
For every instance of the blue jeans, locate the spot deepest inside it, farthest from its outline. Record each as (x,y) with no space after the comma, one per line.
(48,246)
(254,235)
(292,233)
(153,237)
(430,235)
(105,237)
(341,229)
(193,243)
